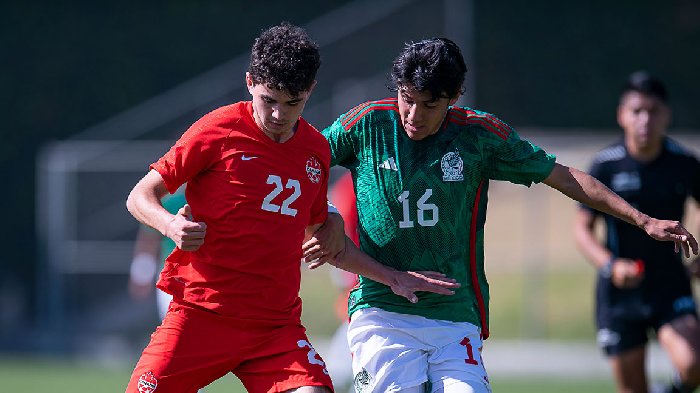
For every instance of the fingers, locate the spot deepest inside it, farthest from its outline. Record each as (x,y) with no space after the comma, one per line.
(440,285)
(186,212)
(190,236)
(408,294)
(693,244)
(435,279)
(437,276)
(309,244)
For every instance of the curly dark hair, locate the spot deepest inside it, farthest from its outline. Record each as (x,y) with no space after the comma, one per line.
(285,58)
(435,65)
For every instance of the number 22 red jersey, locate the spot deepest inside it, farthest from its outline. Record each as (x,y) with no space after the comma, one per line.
(256,197)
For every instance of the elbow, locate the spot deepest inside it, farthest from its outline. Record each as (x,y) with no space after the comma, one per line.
(131,203)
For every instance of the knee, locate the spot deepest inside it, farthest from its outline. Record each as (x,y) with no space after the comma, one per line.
(690,371)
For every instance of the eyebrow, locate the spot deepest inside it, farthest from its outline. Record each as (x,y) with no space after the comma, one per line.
(292,101)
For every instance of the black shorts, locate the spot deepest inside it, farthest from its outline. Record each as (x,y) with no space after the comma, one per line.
(624,317)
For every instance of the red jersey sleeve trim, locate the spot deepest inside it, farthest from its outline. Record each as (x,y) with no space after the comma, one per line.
(472,263)
(355,114)
(491,123)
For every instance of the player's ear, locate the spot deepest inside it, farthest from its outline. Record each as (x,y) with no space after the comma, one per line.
(249,82)
(454,99)
(312,87)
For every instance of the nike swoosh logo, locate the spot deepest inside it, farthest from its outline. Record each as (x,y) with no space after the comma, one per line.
(245,158)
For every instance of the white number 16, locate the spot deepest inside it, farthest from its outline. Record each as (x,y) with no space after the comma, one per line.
(423,206)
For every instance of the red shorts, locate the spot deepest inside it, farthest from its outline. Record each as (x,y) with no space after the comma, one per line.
(193,348)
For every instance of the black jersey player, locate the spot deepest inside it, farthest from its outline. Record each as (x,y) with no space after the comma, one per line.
(642,284)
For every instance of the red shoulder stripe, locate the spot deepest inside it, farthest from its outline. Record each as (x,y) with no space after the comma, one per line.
(480,121)
(491,123)
(354,111)
(500,124)
(369,109)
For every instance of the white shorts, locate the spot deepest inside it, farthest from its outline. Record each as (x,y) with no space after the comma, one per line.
(400,352)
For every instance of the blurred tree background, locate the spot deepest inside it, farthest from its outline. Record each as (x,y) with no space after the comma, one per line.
(542,64)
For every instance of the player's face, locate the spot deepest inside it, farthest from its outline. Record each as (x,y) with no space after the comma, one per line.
(275,111)
(644,119)
(421,116)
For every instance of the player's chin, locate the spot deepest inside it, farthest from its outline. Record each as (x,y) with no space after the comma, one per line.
(416,135)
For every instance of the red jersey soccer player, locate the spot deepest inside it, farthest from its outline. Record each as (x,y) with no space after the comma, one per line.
(257,176)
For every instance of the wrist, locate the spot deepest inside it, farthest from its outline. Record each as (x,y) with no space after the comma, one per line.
(606,270)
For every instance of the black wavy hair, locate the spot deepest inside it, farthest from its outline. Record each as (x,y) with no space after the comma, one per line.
(435,65)
(647,84)
(285,58)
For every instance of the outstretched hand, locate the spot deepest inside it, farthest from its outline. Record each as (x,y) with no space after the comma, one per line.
(187,234)
(407,283)
(667,230)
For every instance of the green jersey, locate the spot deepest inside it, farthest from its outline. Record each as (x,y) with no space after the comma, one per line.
(172,203)
(422,204)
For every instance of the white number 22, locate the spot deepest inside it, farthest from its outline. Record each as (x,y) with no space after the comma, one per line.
(312,355)
(267,204)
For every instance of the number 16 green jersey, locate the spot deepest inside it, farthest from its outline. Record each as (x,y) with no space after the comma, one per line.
(422,204)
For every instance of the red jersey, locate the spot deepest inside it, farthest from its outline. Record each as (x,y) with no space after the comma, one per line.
(256,197)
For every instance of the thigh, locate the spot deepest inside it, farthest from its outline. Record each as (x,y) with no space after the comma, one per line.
(183,355)
(622,326)
(385,356)
(680,338)
(457,366)
(286,362)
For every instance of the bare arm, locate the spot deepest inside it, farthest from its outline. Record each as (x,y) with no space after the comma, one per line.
(586,189)
(144,204)
(323,242)
(353,260)
(624,272)
(401,283)
(587,243)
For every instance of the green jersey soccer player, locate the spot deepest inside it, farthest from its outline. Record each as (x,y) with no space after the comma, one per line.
(421,169)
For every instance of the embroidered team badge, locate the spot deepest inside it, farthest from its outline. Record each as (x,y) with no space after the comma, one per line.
(313,170)
(147,383)
(452,167)
(362,381)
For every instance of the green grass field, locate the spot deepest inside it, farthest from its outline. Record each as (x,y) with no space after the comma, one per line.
(559,307)
(28,375)
(563,311)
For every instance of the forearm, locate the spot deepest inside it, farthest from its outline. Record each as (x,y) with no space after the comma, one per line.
(355,261)
(144,202)
(586,189)
(591,248)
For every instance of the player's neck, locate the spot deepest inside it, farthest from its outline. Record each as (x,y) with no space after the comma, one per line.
(280,137)
(644,153)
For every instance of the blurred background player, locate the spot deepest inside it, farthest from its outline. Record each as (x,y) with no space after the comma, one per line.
(643,284)
(150,250)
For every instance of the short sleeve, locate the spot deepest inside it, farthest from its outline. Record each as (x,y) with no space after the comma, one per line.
(518,161)
(198,148)
(342,144)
